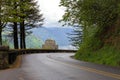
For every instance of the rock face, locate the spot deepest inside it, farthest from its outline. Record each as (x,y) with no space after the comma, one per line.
(3,57)
(50,44)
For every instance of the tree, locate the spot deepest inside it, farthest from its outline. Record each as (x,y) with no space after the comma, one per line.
(76,36)
(99,15)
(24,14)
(15,26)
(13,12)
(30,18)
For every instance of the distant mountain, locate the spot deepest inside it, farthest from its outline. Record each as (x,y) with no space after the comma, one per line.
(59,34)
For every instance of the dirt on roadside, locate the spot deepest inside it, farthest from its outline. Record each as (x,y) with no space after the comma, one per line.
(17,63)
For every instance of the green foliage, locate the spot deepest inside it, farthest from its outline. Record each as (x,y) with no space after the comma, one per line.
(102,56)
(97,13)
(5,42)
(100,20)
(33,42)
(76,36)
(19,12)
(91,12)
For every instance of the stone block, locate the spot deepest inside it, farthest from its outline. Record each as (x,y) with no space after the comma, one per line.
(4,57)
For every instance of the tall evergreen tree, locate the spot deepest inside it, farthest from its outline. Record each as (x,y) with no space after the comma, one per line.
(30,18)
(15,27)
(76,36)
(13,12)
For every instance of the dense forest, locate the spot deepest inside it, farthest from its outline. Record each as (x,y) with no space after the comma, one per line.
(100,24)
(18,17)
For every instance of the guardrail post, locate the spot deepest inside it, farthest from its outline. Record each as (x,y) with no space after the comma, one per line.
(4,57)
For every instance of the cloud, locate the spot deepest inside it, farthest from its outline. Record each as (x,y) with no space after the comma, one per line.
(51,12)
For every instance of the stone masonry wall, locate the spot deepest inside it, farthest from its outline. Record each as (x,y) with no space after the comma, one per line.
(3,57)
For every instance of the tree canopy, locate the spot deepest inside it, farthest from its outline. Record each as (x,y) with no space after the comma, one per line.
(100,15)
(22,15)
(91,12)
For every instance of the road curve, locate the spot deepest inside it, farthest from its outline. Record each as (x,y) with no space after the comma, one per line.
(58,66)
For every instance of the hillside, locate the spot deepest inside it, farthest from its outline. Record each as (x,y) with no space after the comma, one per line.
(59,34)
(31,42)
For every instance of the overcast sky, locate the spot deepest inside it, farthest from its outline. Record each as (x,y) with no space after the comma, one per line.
(51,12)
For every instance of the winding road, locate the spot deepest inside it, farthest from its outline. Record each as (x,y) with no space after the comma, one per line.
(58,66)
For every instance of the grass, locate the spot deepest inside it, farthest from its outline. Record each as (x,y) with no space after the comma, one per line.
(107,55)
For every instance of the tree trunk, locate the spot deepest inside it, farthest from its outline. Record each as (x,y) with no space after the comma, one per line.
(0,28)
(22,36)
(0,33)
(15,35)
(0,37)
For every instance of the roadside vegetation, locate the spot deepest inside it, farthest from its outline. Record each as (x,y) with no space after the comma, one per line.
(100,24)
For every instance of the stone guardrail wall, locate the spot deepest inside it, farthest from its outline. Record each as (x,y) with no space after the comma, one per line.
(29,51)
(4,57)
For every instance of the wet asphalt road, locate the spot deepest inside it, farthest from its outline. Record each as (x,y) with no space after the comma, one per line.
(58,66)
